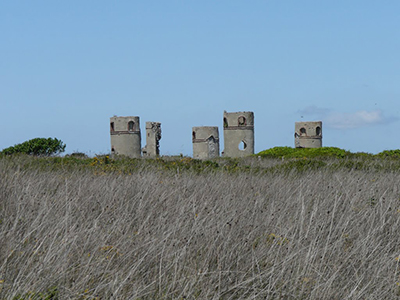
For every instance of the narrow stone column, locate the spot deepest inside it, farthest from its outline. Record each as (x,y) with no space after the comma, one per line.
(153,137)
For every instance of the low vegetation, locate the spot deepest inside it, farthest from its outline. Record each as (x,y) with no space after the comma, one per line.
(324,152)
(283,224)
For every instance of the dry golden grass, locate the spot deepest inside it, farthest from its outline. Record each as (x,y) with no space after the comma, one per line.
(317,234)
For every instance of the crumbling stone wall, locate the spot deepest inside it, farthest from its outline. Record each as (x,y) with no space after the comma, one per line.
(153,137)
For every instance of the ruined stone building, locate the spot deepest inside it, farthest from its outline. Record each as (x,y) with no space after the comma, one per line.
(125,136)
(205,141)
(308,134)
(238,133)
(238,136)
(153,137)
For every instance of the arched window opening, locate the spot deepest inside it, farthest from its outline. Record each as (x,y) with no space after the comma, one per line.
(302,131)
(225,123)
(131,126)
(241,121)
(112,127)
(242,145)
(318,130)
(193,135)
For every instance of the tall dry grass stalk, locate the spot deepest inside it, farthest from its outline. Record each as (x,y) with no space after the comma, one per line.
(153,235)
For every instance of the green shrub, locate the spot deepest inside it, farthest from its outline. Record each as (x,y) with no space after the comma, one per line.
(277,152)
(77,155)
(389,154)
(288,152)
(37,146)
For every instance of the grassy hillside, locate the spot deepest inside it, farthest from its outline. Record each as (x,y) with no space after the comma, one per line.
(276,227)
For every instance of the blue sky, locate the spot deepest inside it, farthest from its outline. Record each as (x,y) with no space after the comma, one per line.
(67,67)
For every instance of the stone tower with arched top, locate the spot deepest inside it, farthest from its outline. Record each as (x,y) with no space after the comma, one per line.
(238,133)
(125,136)
(308,134)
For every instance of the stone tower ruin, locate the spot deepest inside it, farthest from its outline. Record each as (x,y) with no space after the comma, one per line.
(125,136)
(153,137)
(238,133)
(308,134)
(205,142)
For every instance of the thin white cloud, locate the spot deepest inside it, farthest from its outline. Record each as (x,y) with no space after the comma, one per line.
(355,120)
(340,120)
(314,110)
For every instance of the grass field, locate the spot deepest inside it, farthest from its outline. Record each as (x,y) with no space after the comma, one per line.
(267,227)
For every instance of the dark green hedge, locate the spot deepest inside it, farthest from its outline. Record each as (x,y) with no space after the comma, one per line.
(37,146)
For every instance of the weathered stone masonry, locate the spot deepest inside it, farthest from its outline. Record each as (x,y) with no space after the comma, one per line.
(308,134)
(238,136)
(125,136)
(205,141)
(238,133)
(153,137)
